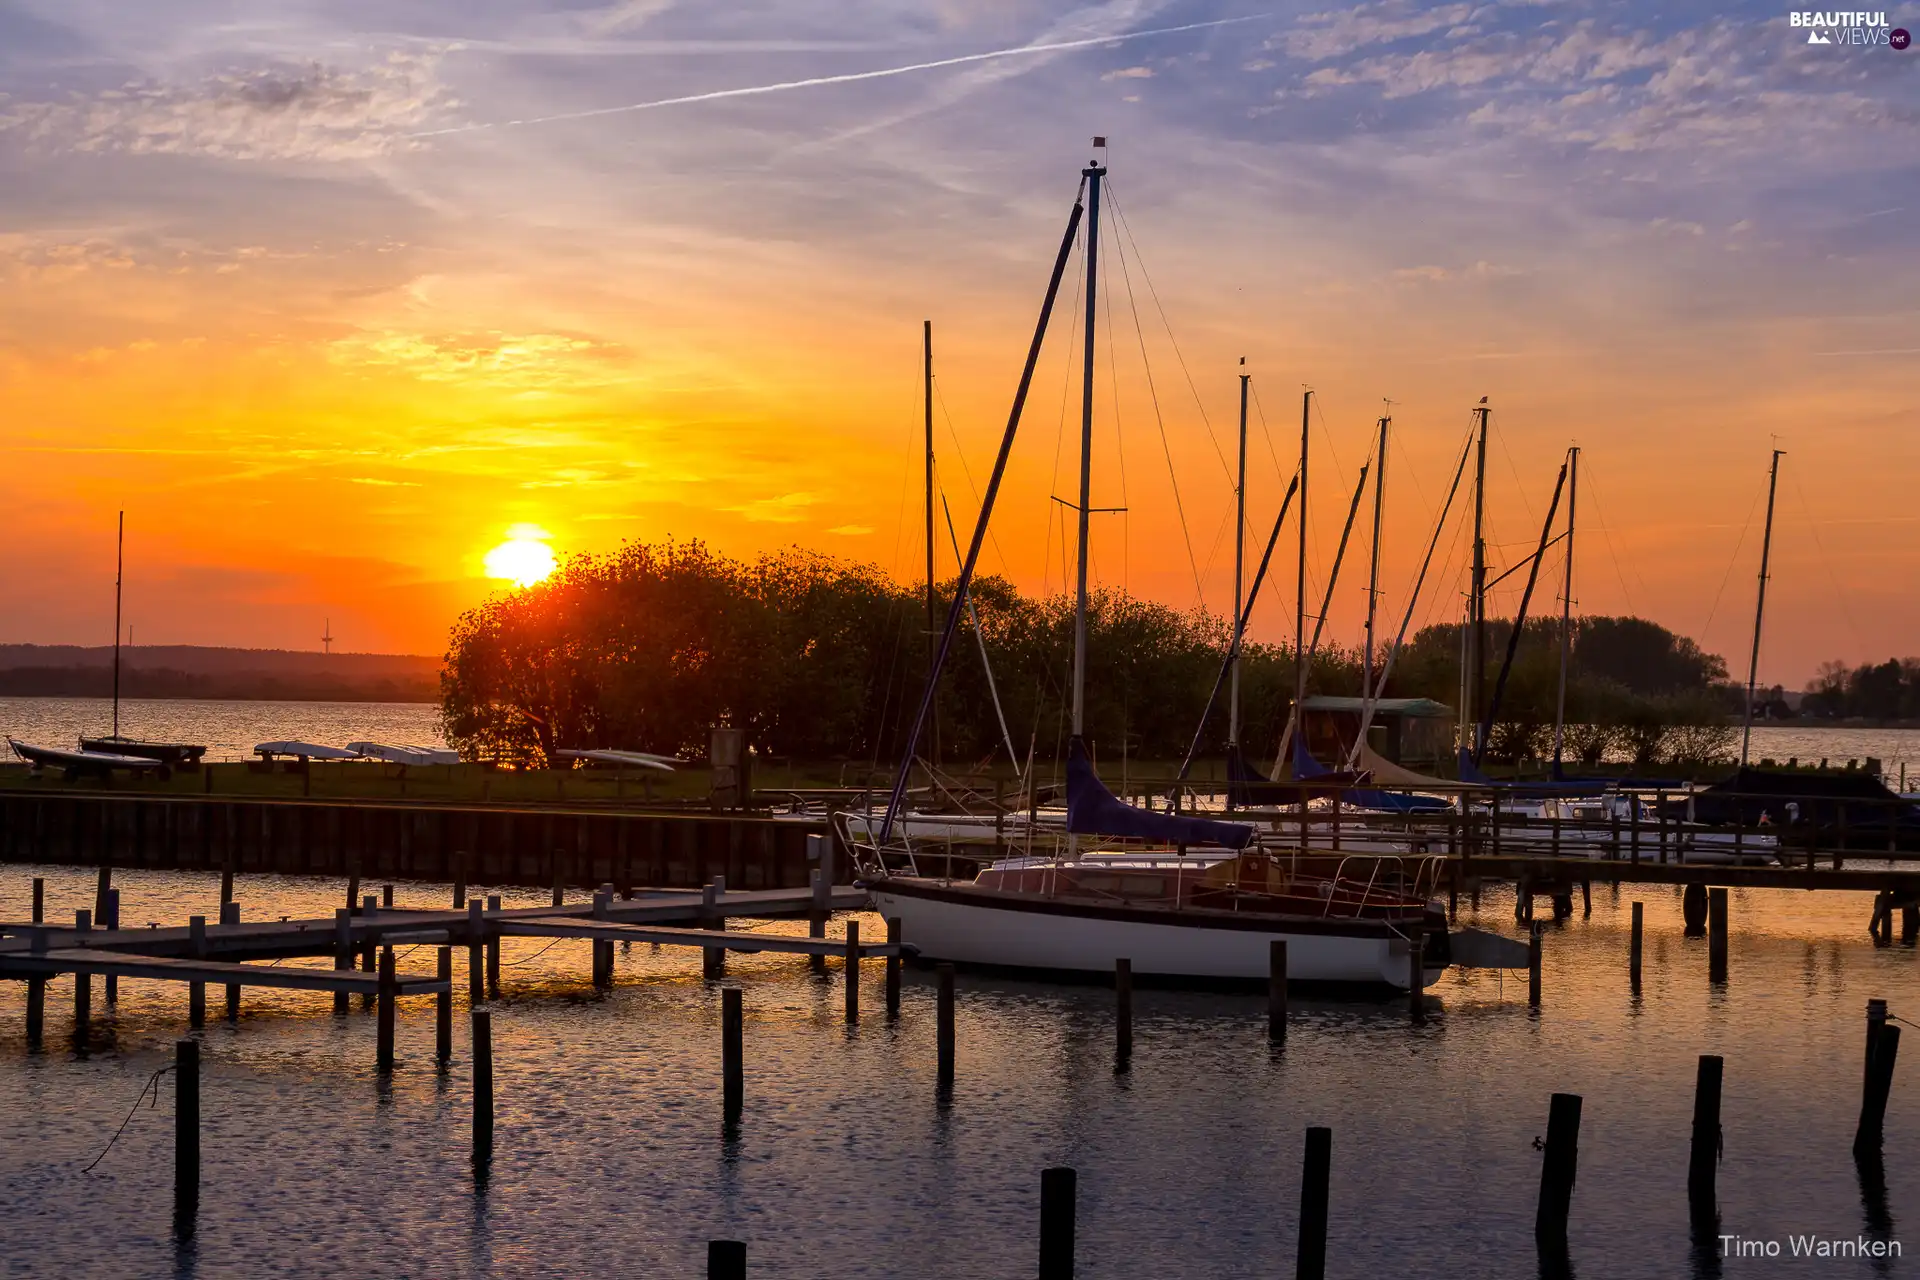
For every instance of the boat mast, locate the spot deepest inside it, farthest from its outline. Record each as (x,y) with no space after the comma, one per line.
(933,729)
(1300,582)
(1092,173)
(1759,609)
(1566,612)
(119,572)
(1373,568)
(1239,563)
(1475,681)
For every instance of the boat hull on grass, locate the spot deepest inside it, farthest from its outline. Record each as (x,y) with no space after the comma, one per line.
(964,925)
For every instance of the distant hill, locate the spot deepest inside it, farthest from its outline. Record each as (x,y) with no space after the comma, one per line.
(205,672)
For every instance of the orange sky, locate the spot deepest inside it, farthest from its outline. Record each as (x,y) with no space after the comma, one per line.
(325,354)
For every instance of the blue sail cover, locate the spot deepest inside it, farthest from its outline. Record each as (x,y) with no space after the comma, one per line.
(1567,788)
(1092,810)
(1305,766)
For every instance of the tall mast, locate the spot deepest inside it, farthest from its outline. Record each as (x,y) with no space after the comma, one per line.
(1239,563)
(933,735)
(1092,173)
(119,572)
(1759,609)
(1476,680)
(1300,578)
(1373,568)
(1566,612)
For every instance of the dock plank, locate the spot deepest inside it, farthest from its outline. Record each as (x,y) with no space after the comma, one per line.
(172,969)
(730,939)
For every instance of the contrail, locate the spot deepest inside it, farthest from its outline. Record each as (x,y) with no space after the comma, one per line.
(816,81)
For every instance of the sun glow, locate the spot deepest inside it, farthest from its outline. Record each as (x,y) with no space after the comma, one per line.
(524,558)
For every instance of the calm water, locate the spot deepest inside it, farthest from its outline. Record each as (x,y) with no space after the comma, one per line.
(611,1158)
(230,730)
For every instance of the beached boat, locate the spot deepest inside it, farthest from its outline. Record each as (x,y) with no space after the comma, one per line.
(168,753)
(77,764)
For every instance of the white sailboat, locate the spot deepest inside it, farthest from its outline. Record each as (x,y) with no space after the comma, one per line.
(1189,898)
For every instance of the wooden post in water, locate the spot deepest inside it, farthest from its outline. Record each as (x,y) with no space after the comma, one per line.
(39,900)
(713,960)
(603,950)
(1717,935)
(459,881)
(226,878)
(342,951)
(186,1135)
(353,884)
(443,1009)
(1416,975)
(559,883)
(893,968)
(1277,991)
(82,987)
(1634,947)
(1704,1159)
(476,959)
(1558,1168)
(493,950)
(383,1040)
(943,1027)
(482,1084)
(369,954)
(386,897)
(1057,1193)
(1876,1019)
(1873,1101)
(112,921)
(103,885)
(1311,1256)
(230,914)
(197,991)
(817,916)
(1693,909)
(726,1260)
(732,1052)
(1122,1014)
(853,971)
(1533,967)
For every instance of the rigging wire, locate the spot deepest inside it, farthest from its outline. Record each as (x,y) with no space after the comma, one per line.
(1826,562)
(1113,378)
(1732,560)
(1166,324)
(1153,394)
(1606,531)
(993,535)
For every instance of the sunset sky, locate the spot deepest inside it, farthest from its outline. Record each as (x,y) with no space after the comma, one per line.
(332,296)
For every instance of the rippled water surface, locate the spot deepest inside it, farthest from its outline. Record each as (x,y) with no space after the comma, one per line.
(611,1158)
(229,730)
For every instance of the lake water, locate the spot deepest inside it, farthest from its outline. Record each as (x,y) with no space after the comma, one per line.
(230,729)
(611,1159)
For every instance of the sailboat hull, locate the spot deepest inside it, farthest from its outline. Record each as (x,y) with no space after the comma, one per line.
(964,925)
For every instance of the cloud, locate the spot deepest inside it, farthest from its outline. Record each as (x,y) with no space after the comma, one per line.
(788,508)
(1130,73)
(513,359)
(851,530)
(1331,34)
(281,112)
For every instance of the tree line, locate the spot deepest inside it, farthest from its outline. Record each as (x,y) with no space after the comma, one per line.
(819,658)
(1888,690)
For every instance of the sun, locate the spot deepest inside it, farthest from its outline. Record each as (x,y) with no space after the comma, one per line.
(524,558)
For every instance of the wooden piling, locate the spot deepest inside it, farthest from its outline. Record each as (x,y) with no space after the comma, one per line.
(226,880)
(713,960)
(1416,975)
(186,1134)
(383,1043)
(111,983)
(1873,1100)
(386,897)
(1122,1014)
(1057,1194)
(482,1083)
(853,971)
(1704,1159)
(1277,991)
(493,951)
(817,915)
(230,914)
(369,951)
(39,900)
(1635,946)
(603,950)
(1693,909)
(893,968)
(732,1052)
(1717,935)
(476,948)
(1558,1169)
(1533,967)
(459,881)
(1586,899)
(103,885)
(443,1009)
(1311,1254)
(82,988)
(1876,1019)
(353,886)
(726,1260)
(197,991)
(342,951)
(943,1026)
(36,1010)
